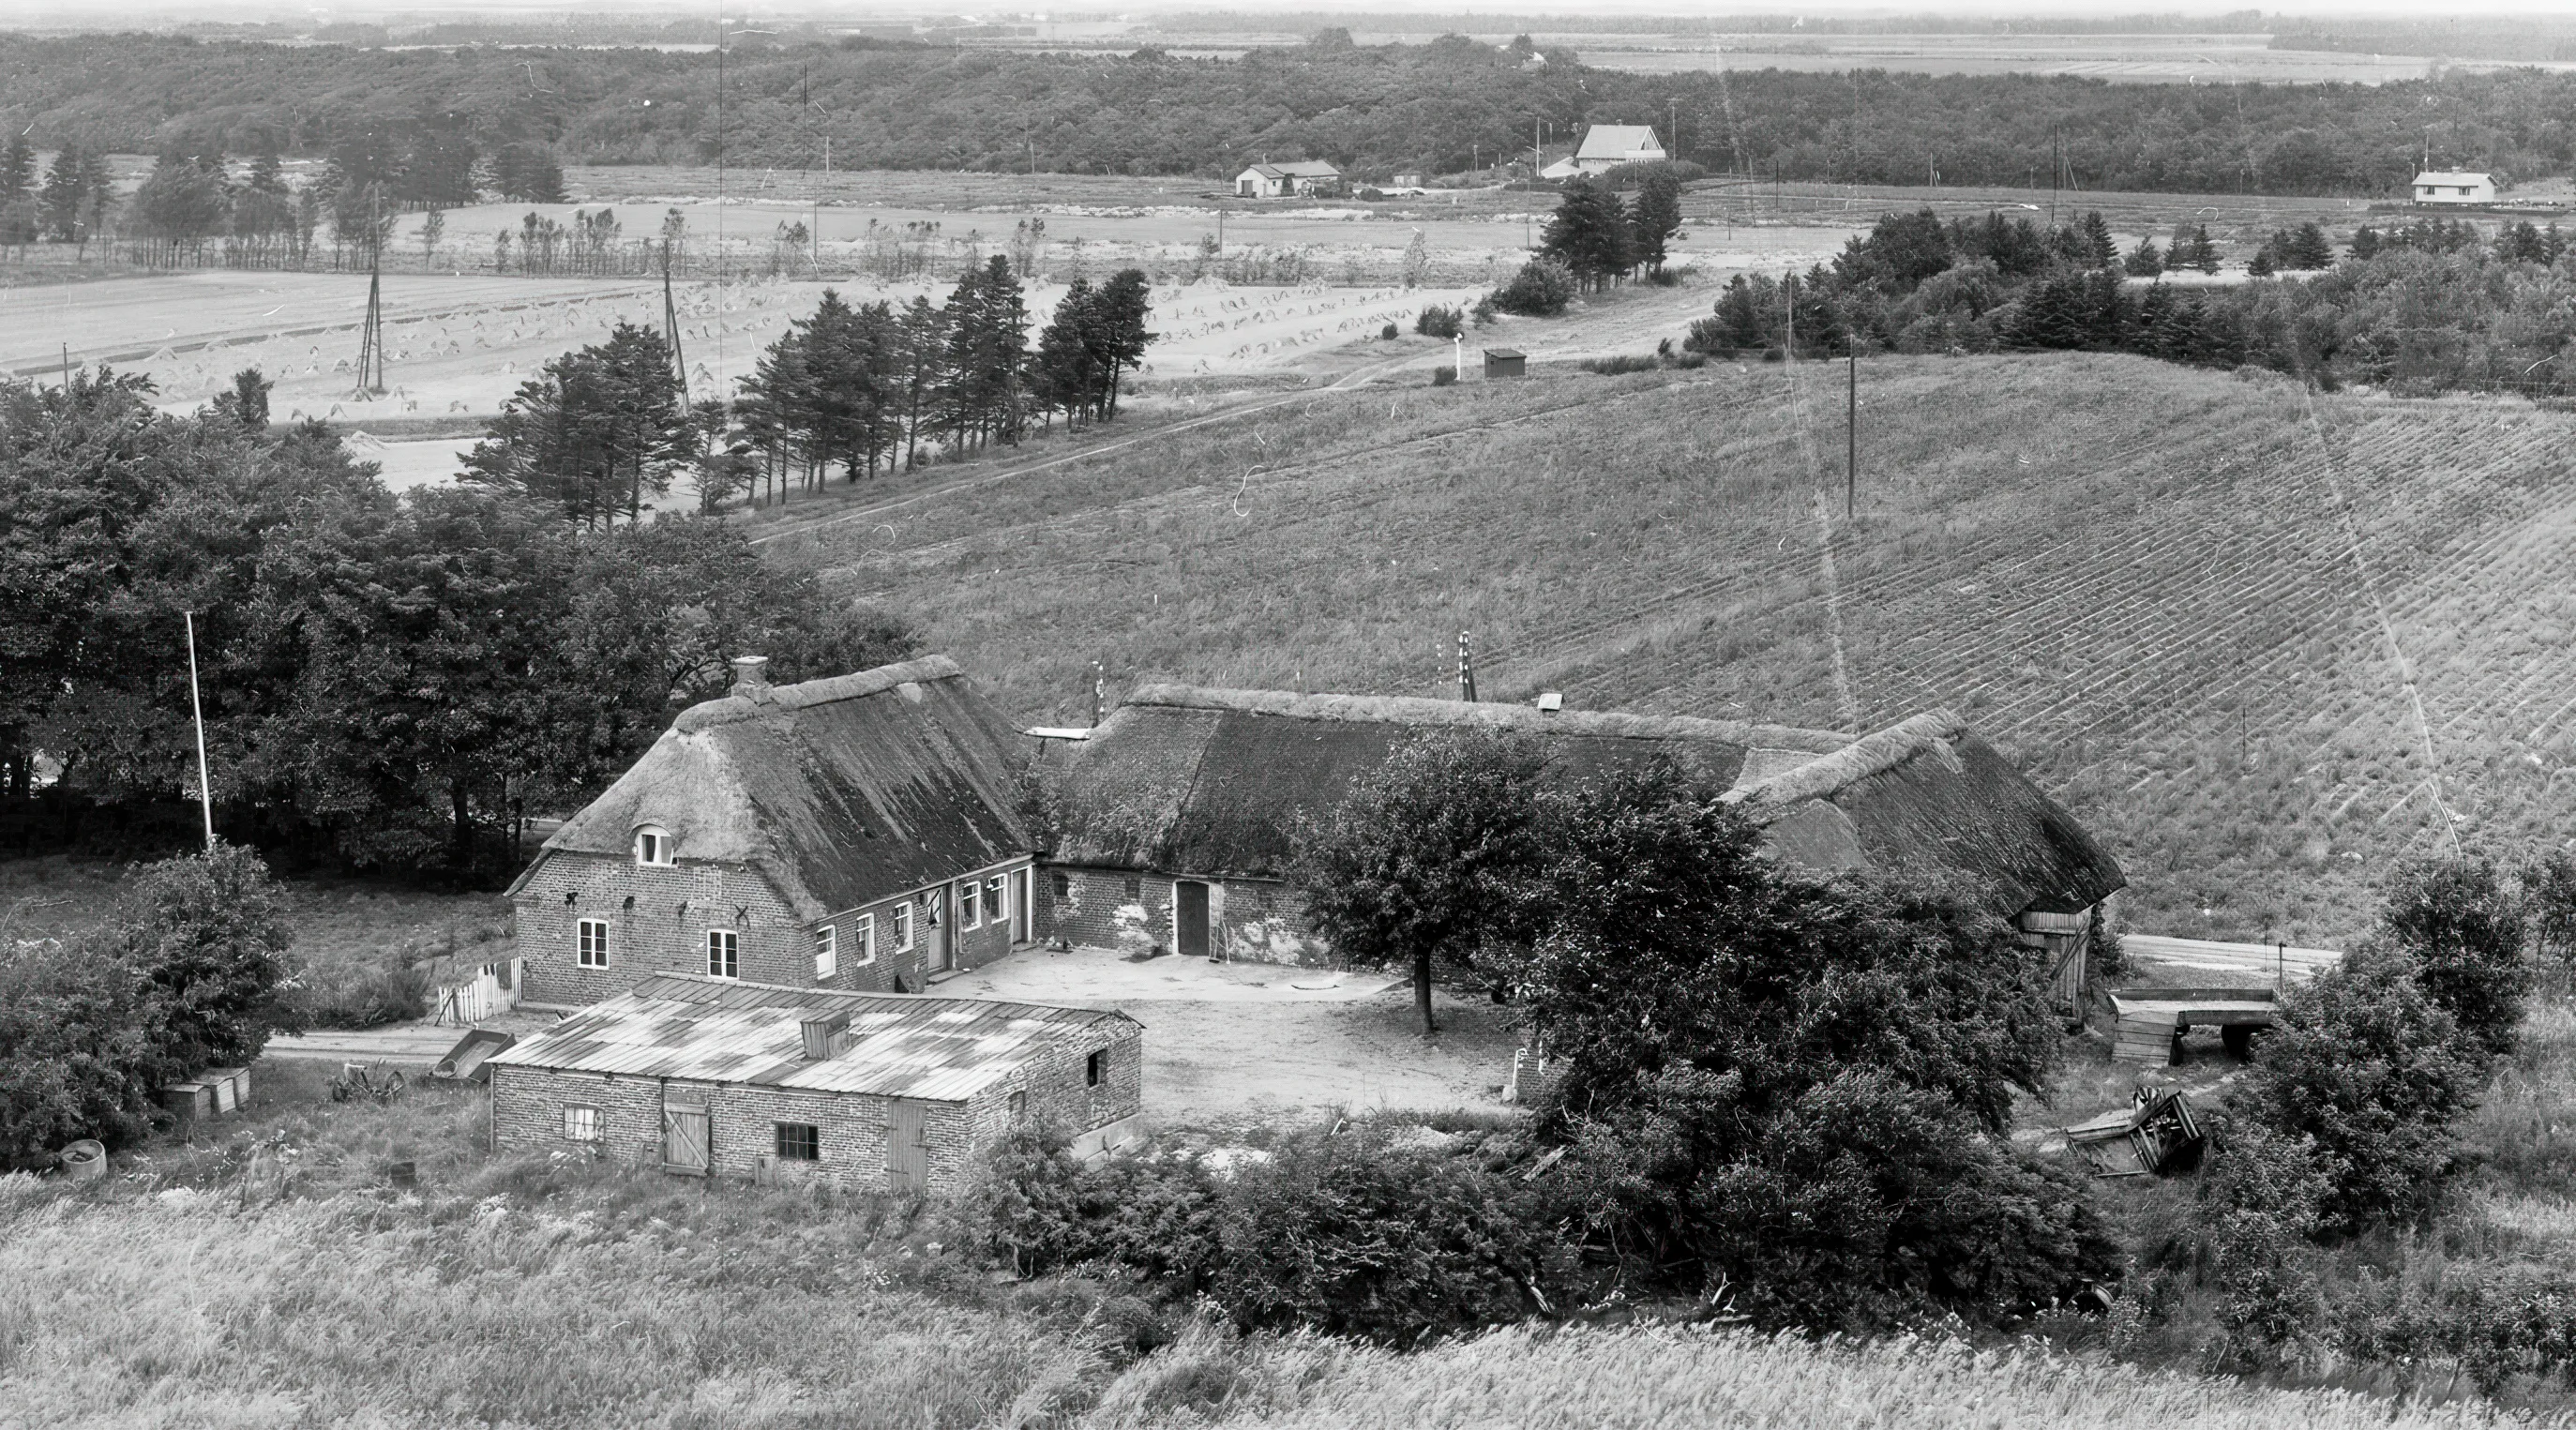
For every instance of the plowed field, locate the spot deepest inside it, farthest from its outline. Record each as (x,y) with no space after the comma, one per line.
(2262,642)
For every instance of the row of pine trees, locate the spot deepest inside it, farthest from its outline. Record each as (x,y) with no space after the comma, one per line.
(858,388)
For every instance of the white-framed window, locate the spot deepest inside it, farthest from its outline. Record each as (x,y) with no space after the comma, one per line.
(653,846)
(970,905)
(997,900)
(591,944)
(863,940)
(724,947)
(581,1124)
(1021,905)
(827,950)
(903,927)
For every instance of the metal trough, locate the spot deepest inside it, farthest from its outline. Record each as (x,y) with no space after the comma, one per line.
(465,1061)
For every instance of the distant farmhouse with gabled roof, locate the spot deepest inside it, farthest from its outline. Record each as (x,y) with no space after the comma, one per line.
(1273,181)
(859,832)
(2454,187)
(713,1077)
(1177,816)
(1606,147)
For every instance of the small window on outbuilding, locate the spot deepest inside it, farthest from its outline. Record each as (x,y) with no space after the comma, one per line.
(863,940)
(1063,883)
(799,1142)
(970,905)
(724,948)
(903,927)
(653,846)
(581,1124)
(1135,889)
(827,951)
(1092,1069)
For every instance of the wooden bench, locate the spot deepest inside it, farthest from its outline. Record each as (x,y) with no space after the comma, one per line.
(2152,1019)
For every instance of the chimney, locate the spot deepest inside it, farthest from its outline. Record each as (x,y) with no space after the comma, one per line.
(826,1037)
(751,677)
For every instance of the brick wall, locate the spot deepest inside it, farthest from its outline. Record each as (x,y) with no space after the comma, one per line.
(1058,1088)
(528,1104)
(650,932)
(1256,920)
(649,929)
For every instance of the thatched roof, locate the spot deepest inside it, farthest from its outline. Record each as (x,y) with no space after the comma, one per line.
(839,791)
(1930,794)
(1215,783)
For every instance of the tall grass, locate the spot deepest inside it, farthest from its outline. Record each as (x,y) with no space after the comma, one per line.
(1679,1379)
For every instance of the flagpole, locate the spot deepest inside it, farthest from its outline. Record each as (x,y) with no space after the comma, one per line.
(205,785)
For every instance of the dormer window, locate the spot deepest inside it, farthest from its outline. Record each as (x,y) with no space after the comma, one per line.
(653,846)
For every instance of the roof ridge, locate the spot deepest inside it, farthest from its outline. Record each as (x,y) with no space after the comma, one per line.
(823,690)
(1422,710)
(1869,755)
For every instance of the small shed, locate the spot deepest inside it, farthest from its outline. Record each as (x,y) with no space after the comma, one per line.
(1505,362)
(706,1077)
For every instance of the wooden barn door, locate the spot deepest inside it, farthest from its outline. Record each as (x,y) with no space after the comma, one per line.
(686,1147)
(1190,918)
(907,1146)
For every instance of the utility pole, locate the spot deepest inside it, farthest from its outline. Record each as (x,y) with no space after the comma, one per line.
(196,706)
(1851,430)
(671,326)
(2056,167)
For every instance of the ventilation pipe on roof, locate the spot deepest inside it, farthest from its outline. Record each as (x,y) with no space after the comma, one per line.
(751,677)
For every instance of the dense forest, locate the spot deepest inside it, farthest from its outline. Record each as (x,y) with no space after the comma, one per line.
(1372,109)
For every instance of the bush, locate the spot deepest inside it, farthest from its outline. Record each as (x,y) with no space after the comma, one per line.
(78,1052)
(392,989)
(2260,1199)
(1347,1235)
(1031,1204)
(1625,362)
(1388,333)
(1435,321)
(2374,1073)
(1540,290)
(1444,375)
(1636,175)
(209,933)
(2464,933)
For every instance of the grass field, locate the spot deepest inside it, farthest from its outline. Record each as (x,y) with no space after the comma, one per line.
(2263,644)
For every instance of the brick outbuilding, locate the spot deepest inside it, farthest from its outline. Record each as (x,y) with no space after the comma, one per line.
(704,1077)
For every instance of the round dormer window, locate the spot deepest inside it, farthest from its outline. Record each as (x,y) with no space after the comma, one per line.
(653,845)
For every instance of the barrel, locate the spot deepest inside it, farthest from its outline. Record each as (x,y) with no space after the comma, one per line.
(85,1160)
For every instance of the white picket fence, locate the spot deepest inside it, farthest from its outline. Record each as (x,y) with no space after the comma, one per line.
(491,992)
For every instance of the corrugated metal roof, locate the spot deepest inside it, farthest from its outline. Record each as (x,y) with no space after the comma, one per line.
(677,1025)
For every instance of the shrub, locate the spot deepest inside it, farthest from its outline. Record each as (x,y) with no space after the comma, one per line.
(2464,933)
(78,1055)
(1435,321)
(1443,375)
(1630,176)
(1031,1204)
(1625,362)
(2549,884)
(2374,1073)
(1346,1235)
(391,989)
(1388,334)
(209,933)
(2260,1199)
(1540,290)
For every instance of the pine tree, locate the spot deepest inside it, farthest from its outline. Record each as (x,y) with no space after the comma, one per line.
(2099,250)
(17,170)
(61,198)
(921,359)
(2146,261)
(1590,234)
(2204,254)
(1655,218)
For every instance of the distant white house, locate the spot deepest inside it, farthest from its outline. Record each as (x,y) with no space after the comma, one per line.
(1606,147)
(2444,187)
(1272,181)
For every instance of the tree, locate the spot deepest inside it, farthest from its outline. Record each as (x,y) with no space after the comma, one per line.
(1793,1090)
(432,227)
(2463,931)
(2095,247)
(2375,1074)
(1654,217)
(593,432)
(209,935)
(987,324)
(1541,289)
(246,406)
(2145,261)
(1590,234)
(527,174)
(1430,858)
(17,170)
(182,202)
(61,198)
(1898,253)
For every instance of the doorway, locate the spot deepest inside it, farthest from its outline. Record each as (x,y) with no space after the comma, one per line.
(907,1146)
(943,928)
(1190,918)
(686,1147)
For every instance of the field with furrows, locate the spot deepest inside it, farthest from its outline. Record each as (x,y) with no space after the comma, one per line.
(2262,642)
